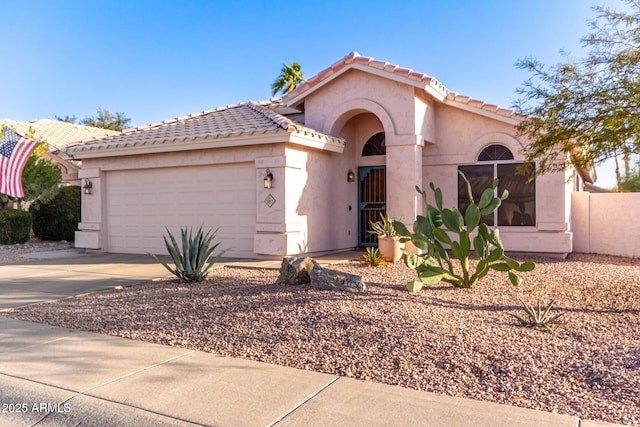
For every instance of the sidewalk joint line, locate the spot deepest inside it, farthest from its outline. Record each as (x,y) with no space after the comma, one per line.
(304,402)
(137,371)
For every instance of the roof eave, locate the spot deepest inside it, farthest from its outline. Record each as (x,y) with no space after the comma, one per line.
(513,120)
(280,136)
(151,147)
(332,145)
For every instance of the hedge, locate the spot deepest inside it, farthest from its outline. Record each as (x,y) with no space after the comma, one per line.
(15,226)
(57,219)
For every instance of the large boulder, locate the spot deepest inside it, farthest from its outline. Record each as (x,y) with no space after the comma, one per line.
(302,271)
(295,271)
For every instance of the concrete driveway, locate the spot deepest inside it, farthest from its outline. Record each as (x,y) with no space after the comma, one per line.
(59,274)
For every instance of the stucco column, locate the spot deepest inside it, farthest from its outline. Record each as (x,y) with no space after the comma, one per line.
(404,172)
(91,228)
(279,230)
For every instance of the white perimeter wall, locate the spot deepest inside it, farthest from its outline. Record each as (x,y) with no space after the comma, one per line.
(606,223)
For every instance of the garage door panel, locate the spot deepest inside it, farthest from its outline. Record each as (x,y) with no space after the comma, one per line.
(141,203)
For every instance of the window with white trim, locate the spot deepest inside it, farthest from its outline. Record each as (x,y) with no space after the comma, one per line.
(496,161)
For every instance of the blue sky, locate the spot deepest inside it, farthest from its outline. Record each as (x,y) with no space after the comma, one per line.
(155,60)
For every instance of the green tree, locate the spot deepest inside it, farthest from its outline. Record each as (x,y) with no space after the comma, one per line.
(67,118)
(104,120)
(631,180)
(290,77)
(41,179)
(584,111)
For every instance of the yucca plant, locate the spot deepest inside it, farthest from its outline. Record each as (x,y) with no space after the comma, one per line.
(372,258)
(539,316)
(197,248)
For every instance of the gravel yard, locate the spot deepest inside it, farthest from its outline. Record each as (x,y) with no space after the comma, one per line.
(11,254)
(445,340)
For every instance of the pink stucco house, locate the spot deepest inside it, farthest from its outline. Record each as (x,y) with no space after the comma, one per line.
(351,142)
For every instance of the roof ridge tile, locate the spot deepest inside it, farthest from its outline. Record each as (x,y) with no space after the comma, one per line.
(430,81)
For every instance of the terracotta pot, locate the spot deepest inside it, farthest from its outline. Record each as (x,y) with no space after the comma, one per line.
(411,248)
(390,249)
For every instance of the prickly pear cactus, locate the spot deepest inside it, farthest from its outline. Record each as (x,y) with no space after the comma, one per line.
(433,233)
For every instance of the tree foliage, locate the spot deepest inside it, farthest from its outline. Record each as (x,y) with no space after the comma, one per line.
(290,77)
(104,120)
(631,180)
(586,110)
(40,178)
(58,218)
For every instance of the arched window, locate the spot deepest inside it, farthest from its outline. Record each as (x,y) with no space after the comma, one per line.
(497,161)
(495,152)
(375,146)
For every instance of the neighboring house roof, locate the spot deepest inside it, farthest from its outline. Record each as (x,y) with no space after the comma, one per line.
(57,134)
(235,125)
(404,75)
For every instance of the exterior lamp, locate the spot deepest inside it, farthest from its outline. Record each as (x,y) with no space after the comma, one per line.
(350,176)
(268,179)
(87,186)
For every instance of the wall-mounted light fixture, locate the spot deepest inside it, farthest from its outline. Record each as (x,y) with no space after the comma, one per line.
(268,179)
(350,176)
(88,186)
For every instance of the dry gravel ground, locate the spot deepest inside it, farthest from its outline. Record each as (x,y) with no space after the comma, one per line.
(11,254)
(445,340)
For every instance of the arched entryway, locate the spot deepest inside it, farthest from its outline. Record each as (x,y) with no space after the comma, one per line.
(365,133)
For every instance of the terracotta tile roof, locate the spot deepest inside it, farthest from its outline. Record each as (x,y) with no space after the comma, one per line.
(57,134)
(246,119)
(355,60)
(485,106)
(429,83)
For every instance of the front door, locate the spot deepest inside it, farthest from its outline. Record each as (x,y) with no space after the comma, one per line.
(372,201)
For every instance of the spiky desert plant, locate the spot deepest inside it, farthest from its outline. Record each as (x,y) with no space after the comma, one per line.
(432,233)
(539,316)
(384,227)
(191,257)
(372,258)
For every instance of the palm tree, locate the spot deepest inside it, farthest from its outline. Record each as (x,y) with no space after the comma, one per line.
(289,78)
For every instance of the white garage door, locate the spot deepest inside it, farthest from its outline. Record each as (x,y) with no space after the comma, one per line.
(141,203)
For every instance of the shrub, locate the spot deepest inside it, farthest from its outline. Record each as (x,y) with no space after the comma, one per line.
(191,262)
(430,234)
(372,258)
(15,226)
(57,219)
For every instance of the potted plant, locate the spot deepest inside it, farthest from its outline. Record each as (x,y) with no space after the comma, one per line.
(388,239)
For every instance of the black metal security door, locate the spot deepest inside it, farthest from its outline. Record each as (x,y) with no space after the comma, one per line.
(372,201)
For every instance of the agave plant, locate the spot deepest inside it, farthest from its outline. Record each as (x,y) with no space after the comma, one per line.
(197,248)
(372,258)
(537,317)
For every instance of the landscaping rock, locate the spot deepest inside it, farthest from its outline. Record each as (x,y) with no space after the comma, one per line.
(295,271)
(302,271)
(322,278)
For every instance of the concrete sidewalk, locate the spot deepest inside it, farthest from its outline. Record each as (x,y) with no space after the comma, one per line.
(53,376)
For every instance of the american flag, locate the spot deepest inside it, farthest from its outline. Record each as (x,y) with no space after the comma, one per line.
(14,153)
